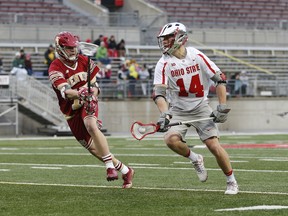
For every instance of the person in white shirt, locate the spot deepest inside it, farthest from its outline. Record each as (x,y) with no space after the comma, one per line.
(186,74)
(144,77)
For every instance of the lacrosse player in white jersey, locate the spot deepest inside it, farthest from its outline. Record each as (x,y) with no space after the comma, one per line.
(183,75)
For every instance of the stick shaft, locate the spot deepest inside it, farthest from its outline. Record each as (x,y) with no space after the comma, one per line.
(88,75)
(191,121)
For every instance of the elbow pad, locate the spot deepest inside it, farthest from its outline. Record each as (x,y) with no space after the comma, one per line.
(96,85)
(64,89)
(159,91)
(219,78)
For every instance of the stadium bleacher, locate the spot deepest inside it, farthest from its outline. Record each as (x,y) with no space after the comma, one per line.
(255,14)
(52,12)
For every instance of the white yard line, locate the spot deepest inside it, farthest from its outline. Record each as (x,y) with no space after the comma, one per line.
(138,166)
(50,168)
(262,207)
(141,155)
(137,188)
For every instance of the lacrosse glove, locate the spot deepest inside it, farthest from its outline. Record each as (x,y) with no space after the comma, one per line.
(163,121)
(91,105)
(84,95)
(220,114)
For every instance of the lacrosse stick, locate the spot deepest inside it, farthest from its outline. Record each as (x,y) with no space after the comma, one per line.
(140,130)
(88,49)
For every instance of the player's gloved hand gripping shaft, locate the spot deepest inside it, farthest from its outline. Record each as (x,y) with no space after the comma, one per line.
(84,95)
(163,121)
(89,100)
(220,114)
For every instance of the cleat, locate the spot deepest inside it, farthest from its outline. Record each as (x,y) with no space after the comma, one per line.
(112,174)
(128,178)
(200,169)
(232,188)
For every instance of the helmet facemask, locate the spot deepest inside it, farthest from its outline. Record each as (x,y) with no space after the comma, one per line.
(64,53)
(65,42)
(177,36)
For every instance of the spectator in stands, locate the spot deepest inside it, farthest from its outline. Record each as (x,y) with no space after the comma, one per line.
(22,54)
(151,71)
(231,84)
(18,67)
(112,47)
(144,77)
(28,64)
(80,104)
(244,82)
(18,61)
(1,65)
(49,56)
(122,76)
(132,77)
(237,85)
(185,73)
(121,49)
(105,40)
(102,54)
(98,40)
(100,74)
(107,73)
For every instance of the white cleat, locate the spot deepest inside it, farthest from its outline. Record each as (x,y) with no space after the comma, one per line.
(200,169)
(232,188)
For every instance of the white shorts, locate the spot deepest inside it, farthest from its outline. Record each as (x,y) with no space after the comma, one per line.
(205,129)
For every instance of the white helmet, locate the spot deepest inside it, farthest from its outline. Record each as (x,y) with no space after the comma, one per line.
(178,30)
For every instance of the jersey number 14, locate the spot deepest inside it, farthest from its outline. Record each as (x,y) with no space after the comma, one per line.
(195,87)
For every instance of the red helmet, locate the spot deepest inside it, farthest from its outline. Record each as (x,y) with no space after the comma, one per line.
(65,40)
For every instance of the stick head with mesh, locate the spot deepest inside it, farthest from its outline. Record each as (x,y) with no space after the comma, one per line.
(140,130)
(88,49)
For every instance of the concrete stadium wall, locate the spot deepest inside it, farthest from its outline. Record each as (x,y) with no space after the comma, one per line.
(132,35)
(247,115)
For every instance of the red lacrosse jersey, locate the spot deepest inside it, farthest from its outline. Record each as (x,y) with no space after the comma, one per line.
(61,75)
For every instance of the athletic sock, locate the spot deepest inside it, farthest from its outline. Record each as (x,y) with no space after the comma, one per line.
(192,156)
(108,161)
(230,176)
(122,167)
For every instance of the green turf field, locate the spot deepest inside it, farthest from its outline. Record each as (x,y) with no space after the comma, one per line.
(59,177)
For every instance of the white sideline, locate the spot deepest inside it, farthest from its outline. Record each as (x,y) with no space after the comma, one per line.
(262,207)
(136,188)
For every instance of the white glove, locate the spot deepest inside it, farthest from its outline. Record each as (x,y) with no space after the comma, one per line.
(220,114)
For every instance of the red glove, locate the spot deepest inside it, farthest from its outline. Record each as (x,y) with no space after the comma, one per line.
(91,105)
(84,95)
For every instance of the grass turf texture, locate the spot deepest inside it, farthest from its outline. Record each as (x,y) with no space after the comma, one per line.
(164,183)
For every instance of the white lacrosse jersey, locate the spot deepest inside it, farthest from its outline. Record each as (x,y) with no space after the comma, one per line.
(188,80)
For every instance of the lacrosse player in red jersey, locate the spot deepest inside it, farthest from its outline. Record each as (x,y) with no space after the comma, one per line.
(186,73)
(68,76)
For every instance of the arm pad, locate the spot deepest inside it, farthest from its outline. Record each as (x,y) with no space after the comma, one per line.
(159,91)
(63,90)
(96,85)
(219,78)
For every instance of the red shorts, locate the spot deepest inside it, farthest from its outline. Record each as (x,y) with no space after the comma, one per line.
(78,128)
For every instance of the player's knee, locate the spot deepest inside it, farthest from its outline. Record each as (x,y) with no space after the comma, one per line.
(171,139)
(91,127)
(213,145)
